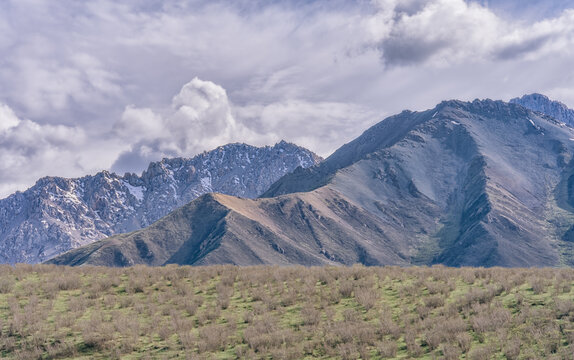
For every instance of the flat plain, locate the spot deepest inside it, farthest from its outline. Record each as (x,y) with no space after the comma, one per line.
(227,312)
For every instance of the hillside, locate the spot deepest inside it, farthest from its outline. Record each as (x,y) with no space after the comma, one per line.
(317,228)
(58,214)
(482,183)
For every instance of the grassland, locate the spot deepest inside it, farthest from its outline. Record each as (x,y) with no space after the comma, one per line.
(225,312)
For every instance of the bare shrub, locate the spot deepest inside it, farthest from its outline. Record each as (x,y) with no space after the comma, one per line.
(346,287)
(538,285)
(6,283)
(433,338)
(68,281)
(468,276)
(464,341)
(248,316)
(512,349)
(128,326)
(434,301)
(102,284)
(480,353)
(564,286)
(28,353)
(550,341)
(136,284)
(435,288)
(286,353)
(191,304)
(257,335)
(343,332)
(258,294)
(569,333)
(289,298)
(164,329)
(423,311)
(187,339)
(351,315)
(387,349)
(224,290)
(77,304)
(413,346)
(322,275)
(243,352)
(387,326)
(347,351)
(97,334)
(208,315)
(223,301)
(229,276)
(366,297)
(63,349)
(564,307)
(452,326)
(364,352)
(182,288)
(490,320)
(364,334)
(330,296)
(271,302)
(212,338)
(408,291)
(310,315)
(450,352)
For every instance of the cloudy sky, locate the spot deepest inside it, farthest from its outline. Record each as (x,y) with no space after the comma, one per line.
(106,84)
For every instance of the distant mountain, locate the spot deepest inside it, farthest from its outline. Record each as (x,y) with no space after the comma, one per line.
(58,214)
(482,183)
(543,104)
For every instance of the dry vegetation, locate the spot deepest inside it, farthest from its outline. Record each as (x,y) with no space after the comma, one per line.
(49,312)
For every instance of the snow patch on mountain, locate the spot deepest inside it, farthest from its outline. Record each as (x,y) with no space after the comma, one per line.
(137,191)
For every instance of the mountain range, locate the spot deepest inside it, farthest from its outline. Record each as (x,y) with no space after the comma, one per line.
(58,214)
(482,183)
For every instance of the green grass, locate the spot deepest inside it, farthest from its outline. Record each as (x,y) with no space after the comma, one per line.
(226,312)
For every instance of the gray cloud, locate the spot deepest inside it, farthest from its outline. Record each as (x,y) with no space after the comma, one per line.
(528,46)
(451,31)
(112,75)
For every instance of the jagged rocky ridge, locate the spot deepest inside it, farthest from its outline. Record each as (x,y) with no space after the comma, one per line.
(58,214)
(482,183)
(543,104)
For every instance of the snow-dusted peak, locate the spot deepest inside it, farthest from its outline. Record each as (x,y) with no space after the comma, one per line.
(541,103)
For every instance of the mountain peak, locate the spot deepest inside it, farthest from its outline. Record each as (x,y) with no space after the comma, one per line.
(543,104)
(394,129)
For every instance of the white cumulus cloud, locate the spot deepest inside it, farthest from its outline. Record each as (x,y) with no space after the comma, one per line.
(8,119)
(198,119)
(29,150)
